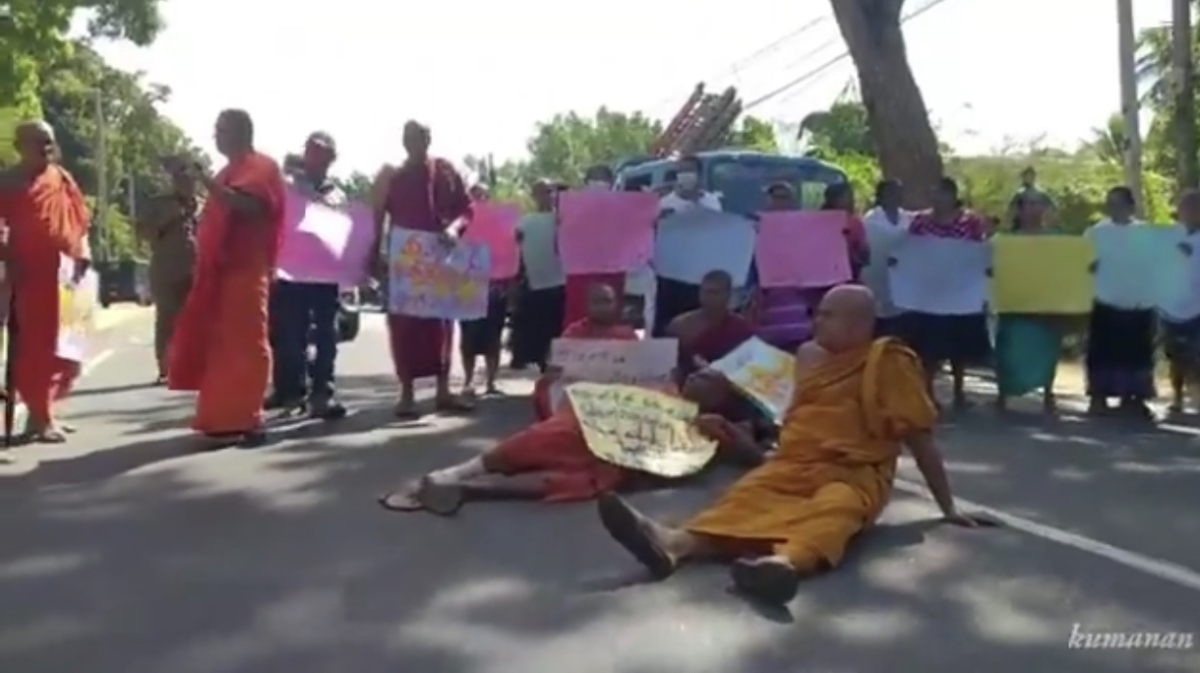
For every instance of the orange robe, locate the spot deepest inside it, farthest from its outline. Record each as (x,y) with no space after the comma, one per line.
(46,218)
(833,471)
(580,329)
(220,346)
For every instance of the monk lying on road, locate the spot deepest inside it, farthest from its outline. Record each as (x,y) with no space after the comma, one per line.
(603,321)
(550,459)
(857,402)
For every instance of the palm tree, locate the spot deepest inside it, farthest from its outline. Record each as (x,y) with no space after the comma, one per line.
(1154,67)
(1108,142)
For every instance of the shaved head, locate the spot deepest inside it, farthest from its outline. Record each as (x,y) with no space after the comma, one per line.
(845,318)
(35,143)
(417,138)
(234,132)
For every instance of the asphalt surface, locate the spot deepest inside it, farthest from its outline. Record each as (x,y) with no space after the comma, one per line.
(125,551)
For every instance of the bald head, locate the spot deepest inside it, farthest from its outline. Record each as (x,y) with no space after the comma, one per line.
(416,140)
(234,133)
(845,318)
(603,307)
(35,143)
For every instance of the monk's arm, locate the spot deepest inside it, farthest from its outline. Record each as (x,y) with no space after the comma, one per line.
(239,200)
(933,469)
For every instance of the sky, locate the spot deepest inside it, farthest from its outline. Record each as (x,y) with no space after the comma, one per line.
(483,73)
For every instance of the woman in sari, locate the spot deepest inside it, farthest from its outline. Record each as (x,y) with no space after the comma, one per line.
(1027,346)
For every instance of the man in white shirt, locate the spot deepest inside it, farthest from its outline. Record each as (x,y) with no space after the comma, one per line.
(688,192)
(885,225)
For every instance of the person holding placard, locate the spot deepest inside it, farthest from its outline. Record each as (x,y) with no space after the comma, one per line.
(550,460)
(424,193)
(598,177)
(1181,323)
(783,315)
(855,409)
(484,336)
(712,331)
(961,339)
(840,196)
(603,322)
(1027,346)
(538,318)
(1120,354)
(884,225)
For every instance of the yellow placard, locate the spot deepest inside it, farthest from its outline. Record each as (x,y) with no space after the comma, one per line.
(1047,274)
(640,429)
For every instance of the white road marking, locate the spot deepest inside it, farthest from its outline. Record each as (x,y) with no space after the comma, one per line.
(1165,570)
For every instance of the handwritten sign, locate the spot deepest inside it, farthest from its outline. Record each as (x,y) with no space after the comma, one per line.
(640,429)
(762,372)
(605,232)
(322,244)
(692,243)
(940,276)
(430,280)
(1047,274)
(539,251)
(802,248)
(77,307)
(494,225)
(649,361)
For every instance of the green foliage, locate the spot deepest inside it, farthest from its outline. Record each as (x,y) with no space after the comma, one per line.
(755,134)
(563,147)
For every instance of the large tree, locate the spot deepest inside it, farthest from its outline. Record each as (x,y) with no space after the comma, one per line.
(899,121)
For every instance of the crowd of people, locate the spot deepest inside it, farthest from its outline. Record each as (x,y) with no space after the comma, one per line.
(229,330)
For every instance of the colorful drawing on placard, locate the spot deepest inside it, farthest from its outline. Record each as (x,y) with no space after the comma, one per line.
(644,430)
(764,373)
(645,362)
(77,307)
(802,248)
(428,279)
(495,226)
(605,231)
(323,244)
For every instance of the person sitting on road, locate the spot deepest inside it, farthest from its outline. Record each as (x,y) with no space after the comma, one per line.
(857,402)
(602,322)
(712,331)
(550,459)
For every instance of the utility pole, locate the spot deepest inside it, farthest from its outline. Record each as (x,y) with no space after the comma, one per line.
(101,220)
(1129,103)
(1185,94)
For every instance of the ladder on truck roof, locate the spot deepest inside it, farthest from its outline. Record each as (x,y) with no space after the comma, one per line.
(703,123)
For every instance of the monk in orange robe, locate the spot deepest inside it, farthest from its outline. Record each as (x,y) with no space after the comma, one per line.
(603,321)
(550,460)
(44,211)
(710,332)
(220,347)
(857,402)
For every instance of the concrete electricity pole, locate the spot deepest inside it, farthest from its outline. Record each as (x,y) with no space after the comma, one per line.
(101,220)
(1129,103)
(1185,94)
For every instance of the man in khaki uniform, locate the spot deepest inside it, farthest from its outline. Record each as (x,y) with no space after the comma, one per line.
(168,225)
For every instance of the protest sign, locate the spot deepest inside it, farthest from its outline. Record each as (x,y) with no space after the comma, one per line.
(322,244)
(495,226)
(692,243)
(604,231)
(1138,265)
(802,248)
(939,276)
(649,361)
(428,279)
(640,429)
(1047,274)
(762,372)
(77,307)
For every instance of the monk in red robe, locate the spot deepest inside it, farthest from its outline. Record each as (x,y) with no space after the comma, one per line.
(427,194)
(710,332)
(220,347)
(44,211)
(598,177)
(602,322)
(550,460)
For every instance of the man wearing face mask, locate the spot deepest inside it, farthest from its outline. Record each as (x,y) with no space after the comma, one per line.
(688,193)
(300,309)
(599,177)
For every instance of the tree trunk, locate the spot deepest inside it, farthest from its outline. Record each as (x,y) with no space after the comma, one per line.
(896,114)
(1185,95)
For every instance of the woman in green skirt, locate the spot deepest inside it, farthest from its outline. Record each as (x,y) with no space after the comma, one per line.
(1027,345)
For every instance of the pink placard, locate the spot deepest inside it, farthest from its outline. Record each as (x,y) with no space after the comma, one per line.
(605,232)
(322,244)
(495,226)
(802,248)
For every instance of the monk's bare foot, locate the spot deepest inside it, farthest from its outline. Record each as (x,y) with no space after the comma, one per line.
(636,533)
(44,434)
(453,405)
(769,579)
(441,499)
(403,499)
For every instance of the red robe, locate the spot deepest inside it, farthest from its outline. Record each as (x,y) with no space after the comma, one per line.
(580,329)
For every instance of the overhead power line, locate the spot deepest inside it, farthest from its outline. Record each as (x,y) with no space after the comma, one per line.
(815,72)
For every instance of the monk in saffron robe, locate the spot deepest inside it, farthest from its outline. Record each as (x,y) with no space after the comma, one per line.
(602,322)
(427,194)
(855,406)
(220,347)
(599,177)
(46,217)
(550,460)
(712,331)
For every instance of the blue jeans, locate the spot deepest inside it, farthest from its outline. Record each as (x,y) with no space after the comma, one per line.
(301,312)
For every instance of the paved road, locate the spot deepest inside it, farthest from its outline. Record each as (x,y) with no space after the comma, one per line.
(125,552)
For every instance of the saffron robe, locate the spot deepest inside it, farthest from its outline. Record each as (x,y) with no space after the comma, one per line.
(581,329)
